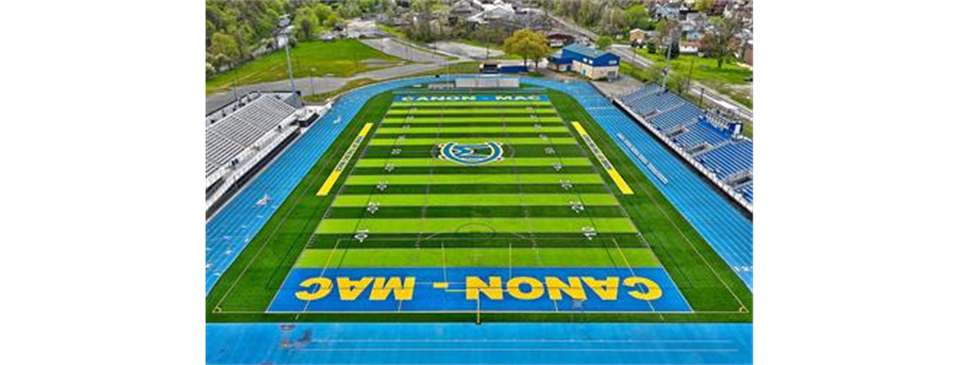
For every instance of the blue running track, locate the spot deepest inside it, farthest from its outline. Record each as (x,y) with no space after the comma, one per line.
(719,222)
(727,231)
(489,343)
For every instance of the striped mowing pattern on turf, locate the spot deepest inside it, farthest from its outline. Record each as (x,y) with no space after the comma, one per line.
(470,179)
(469,111)
(453,129)
(420,141)
(479,257)
(550,175)
(518,161)
(477,224)
(457,120)
(453,200)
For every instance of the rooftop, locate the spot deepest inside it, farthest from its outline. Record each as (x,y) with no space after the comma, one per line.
(586,51)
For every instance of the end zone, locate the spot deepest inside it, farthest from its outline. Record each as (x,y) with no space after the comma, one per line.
(494,289)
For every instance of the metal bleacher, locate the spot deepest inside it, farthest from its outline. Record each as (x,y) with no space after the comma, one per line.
(700,133)
(230,136)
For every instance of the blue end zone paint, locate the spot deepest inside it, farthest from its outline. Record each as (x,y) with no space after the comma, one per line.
(427,298)
(489,343)
(502,97)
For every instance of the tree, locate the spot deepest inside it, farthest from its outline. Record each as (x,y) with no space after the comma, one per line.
(589,13)
(604,42)
(210,29)
(528,44)
(674,50)
(350,10)
(614,21)
(424,6)
(637,16)
(720,38)
(307,22)
(323,12)
(331,20)
(247,21)
(704,6)
(225,45)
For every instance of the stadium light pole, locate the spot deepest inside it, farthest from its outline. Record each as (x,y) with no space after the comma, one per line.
(666,70)
(293,87)
(236,82)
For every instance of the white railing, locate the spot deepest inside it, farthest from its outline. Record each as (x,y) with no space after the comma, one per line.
(710,175)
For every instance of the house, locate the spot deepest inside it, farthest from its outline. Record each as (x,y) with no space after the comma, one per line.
(637,36)
(558,40)
(689,47)
(588,62)
(462,10)
(747,53)
(497,11)
(667,11)
(465,8)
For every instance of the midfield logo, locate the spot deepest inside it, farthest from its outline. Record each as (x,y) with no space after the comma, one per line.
(471,154)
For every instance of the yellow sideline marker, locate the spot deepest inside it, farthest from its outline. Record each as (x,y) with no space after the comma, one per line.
(612,171)
(335,174)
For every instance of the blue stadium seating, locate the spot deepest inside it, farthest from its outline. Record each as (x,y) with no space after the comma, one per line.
(668,112)
(700,132)
(683,115)
(729,159)
(747,191)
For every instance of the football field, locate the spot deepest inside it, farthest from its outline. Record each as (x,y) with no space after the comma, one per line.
(444,204)
(500,208)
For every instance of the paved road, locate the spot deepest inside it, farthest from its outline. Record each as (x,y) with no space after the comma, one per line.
(575,28)
(397,49)
(712,96)
(466,50)
(319,85)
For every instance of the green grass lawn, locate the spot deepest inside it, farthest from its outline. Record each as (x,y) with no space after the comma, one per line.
(391,30)
(704,69)
(340,58)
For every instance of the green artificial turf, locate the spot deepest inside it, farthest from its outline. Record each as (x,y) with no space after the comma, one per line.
(478,257)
